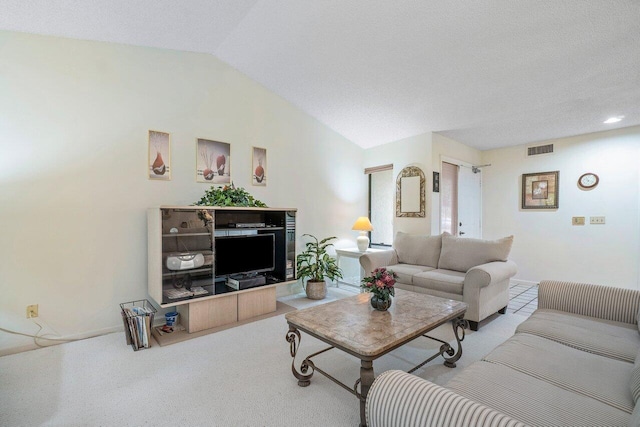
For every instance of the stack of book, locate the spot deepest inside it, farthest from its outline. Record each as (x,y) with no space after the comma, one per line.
(137,317)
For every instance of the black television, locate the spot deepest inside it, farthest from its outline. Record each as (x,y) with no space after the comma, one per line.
(245,254)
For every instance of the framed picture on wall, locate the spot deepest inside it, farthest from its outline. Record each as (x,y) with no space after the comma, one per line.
(436,182)
(259,166)
(213,162)
(540,190)
(159,161)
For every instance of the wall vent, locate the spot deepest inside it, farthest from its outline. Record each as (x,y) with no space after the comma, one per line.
(540,149)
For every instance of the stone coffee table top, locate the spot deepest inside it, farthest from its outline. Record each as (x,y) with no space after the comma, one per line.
(352,325)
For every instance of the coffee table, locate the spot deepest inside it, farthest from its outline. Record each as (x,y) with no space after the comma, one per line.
(353,326)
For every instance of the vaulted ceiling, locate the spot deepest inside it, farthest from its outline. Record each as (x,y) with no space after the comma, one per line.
(487,73)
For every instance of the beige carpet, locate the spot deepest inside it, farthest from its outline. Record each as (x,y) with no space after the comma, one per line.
(236,377)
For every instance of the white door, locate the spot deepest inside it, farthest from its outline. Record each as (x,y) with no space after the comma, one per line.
(460,199)
(469,202)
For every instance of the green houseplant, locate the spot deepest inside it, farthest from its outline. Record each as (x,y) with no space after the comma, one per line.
(229,195)
(315,264)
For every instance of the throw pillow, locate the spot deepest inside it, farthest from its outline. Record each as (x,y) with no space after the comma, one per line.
(460,254)
(417,249)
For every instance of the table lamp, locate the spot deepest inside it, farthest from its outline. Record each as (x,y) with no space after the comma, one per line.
(363,225)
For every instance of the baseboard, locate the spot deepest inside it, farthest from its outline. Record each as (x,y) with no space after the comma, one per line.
(289,289)
(284,290)
(523,282)
(65,339)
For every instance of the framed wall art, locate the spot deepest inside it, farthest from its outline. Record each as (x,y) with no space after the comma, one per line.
(259,166)
(540,190)
(159,161)
(213,162)
(436,182)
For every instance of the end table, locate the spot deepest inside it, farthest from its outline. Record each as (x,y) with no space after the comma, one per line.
(356,254)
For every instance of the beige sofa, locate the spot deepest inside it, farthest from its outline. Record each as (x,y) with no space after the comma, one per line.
(475,271)
(574,362)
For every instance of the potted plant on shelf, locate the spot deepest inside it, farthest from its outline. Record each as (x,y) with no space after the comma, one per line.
(315,265)
(229,195)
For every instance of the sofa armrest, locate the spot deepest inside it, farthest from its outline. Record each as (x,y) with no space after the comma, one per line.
(491,272)
(398,399)
(371,261)
(602,302)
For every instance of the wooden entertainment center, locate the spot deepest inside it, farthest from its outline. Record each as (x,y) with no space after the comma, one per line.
(182,261)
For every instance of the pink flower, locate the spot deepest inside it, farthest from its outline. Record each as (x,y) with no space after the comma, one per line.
(381,282)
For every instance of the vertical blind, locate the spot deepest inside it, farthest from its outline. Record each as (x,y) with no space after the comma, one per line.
(381,203)
(449,198)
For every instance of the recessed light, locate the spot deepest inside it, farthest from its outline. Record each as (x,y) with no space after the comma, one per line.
(613,119)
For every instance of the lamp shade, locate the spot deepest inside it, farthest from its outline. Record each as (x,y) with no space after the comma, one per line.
(362,224)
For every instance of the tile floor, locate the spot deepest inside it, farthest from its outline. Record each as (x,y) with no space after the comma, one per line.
(523,299)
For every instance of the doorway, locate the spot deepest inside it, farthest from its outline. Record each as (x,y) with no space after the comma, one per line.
(460,199)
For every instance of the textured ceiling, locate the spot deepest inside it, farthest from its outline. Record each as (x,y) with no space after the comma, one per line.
(486,73)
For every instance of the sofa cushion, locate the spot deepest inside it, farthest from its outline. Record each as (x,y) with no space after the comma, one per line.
(634,383)
(591,375)
(604,337)
(635,416)
(397,398)
(531,400)
(406,272)
(441,280)
(418,249)
(461,254)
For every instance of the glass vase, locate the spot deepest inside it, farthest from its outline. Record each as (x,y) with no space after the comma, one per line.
(379,303)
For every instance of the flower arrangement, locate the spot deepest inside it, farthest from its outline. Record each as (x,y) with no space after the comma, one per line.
(381,283)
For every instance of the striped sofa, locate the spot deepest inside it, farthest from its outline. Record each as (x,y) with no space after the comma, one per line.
(574,362)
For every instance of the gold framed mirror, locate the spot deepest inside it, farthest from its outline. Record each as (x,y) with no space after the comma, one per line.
(410,193)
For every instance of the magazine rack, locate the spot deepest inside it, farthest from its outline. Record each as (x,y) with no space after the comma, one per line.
(137,317)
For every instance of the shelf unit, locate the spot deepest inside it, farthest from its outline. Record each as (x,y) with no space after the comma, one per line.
(186,235)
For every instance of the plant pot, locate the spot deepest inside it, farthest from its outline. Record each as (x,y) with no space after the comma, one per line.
(316,290)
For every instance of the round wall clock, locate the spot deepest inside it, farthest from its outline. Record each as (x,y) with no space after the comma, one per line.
(588,180)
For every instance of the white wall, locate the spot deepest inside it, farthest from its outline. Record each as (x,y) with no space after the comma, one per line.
(546,245)
(74,117)
(413,151)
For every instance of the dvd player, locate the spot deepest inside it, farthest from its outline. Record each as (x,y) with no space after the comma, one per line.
(239,283)
(247,225)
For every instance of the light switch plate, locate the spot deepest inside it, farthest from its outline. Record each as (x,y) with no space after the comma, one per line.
(577,220)
(597,220)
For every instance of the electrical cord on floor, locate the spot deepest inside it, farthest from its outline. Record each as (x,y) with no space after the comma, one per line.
(37,337)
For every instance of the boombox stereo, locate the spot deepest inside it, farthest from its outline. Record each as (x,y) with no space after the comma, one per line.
(185,261)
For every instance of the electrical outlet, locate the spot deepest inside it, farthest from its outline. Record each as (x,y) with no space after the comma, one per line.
(597,220)
(32,311)
(577,220)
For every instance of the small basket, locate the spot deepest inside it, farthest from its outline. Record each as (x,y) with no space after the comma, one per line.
(137,317)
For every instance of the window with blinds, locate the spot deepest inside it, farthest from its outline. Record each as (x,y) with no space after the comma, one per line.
(381,204)
(449,198)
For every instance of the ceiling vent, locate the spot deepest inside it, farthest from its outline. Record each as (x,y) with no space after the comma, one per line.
(540,149)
